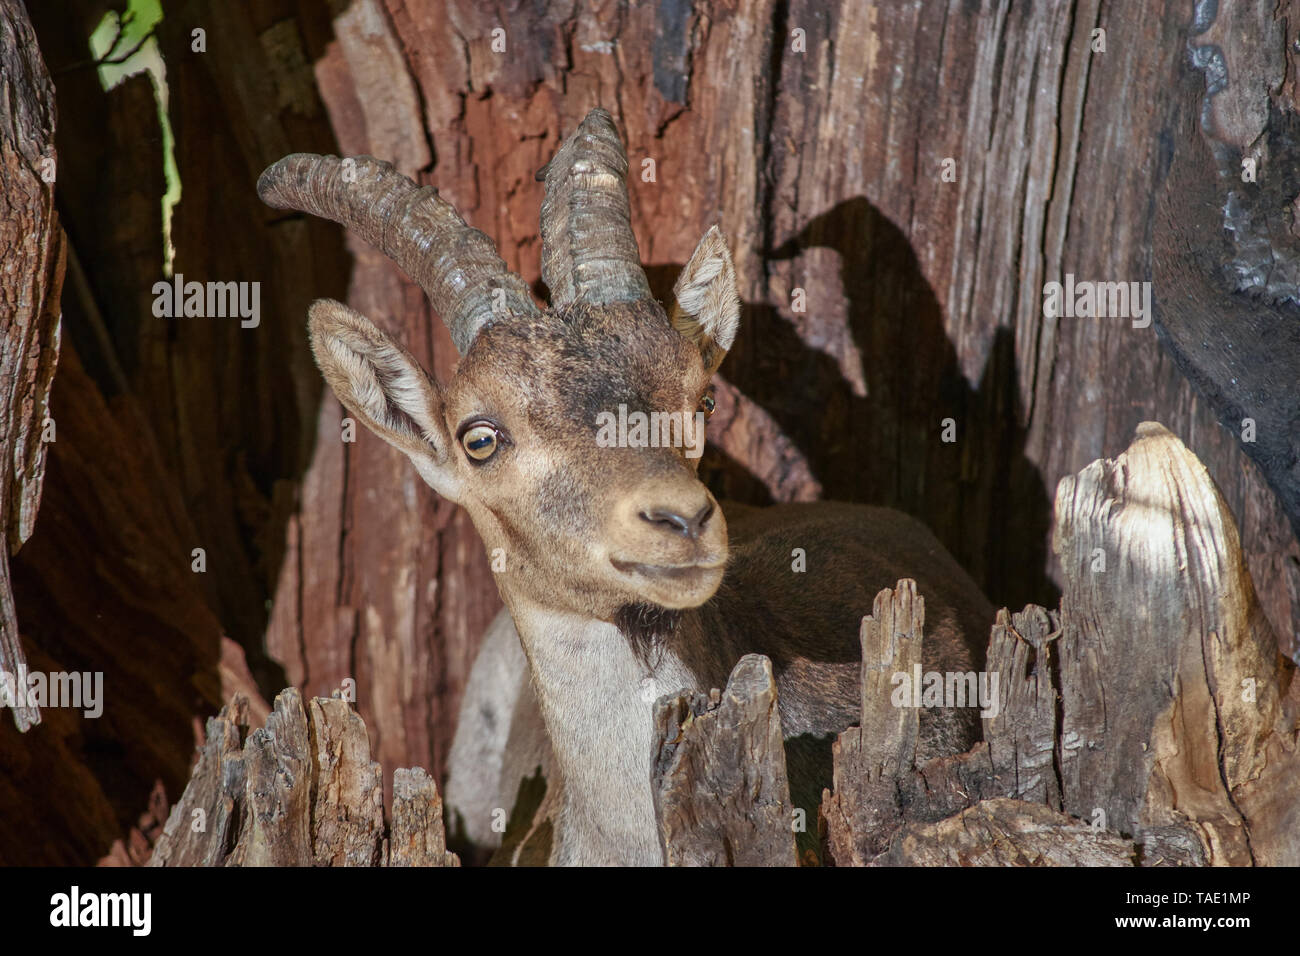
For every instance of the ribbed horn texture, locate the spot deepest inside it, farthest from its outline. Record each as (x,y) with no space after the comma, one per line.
(589,253)
(458,267)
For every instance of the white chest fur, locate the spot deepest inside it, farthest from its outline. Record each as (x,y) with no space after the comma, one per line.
(597,700)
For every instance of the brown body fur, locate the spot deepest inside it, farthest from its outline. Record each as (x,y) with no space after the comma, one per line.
(807,623)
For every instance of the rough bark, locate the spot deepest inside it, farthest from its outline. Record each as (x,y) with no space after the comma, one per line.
(719,781)
(301,791)
(1004,832)
(1155,706)
(1176,707)
(32,247)
(923,302)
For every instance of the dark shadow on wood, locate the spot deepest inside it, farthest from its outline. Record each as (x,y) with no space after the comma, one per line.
(980,494)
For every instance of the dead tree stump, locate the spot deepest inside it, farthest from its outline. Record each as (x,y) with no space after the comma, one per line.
(1151,721)
(1177,709)
(1155,707)
(302,791)
(719,779)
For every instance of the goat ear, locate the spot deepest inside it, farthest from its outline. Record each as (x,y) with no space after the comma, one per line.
(706,305)
(382,384)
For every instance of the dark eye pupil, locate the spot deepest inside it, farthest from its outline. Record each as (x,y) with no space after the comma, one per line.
(483,442)
(708,403)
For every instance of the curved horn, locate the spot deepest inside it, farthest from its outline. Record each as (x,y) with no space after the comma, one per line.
(588,251)
(458,267)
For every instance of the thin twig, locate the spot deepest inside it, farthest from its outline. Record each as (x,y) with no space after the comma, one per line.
(148,35)
(108,59)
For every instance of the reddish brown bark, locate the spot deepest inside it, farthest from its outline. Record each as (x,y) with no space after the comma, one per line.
(31,244)
(331,561)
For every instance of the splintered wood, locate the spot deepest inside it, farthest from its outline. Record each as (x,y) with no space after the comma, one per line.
(1177,709)
(1152,721)
(302,791)
(719,777)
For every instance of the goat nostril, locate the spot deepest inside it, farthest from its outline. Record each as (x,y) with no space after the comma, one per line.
(672,521)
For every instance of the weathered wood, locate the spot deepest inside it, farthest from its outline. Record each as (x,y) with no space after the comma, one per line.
(417,837)
(276,828)
(204,823)
(923,301)
(1177,708)
(348,793)
(860,810)
(719,780)
(1005,832)
(877,785)
(1022,736)
(890,638)
(32,249)
(301,791)
(1155,706)
(1054,146)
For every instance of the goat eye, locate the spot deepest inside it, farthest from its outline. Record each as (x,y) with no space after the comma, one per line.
(707,405)
(480,442)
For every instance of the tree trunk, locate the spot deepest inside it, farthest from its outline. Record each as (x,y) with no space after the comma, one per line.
(882,299)
(31,244)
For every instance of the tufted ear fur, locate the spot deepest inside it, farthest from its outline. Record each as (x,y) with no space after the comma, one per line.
(706,306)
(382,384)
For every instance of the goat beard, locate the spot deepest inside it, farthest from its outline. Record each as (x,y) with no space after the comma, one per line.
(647,628)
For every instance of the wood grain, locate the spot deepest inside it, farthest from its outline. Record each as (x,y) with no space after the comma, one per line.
(32,247)
(922,301)
(300,791)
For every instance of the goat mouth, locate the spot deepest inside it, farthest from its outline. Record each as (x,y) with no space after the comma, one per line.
(666,572)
